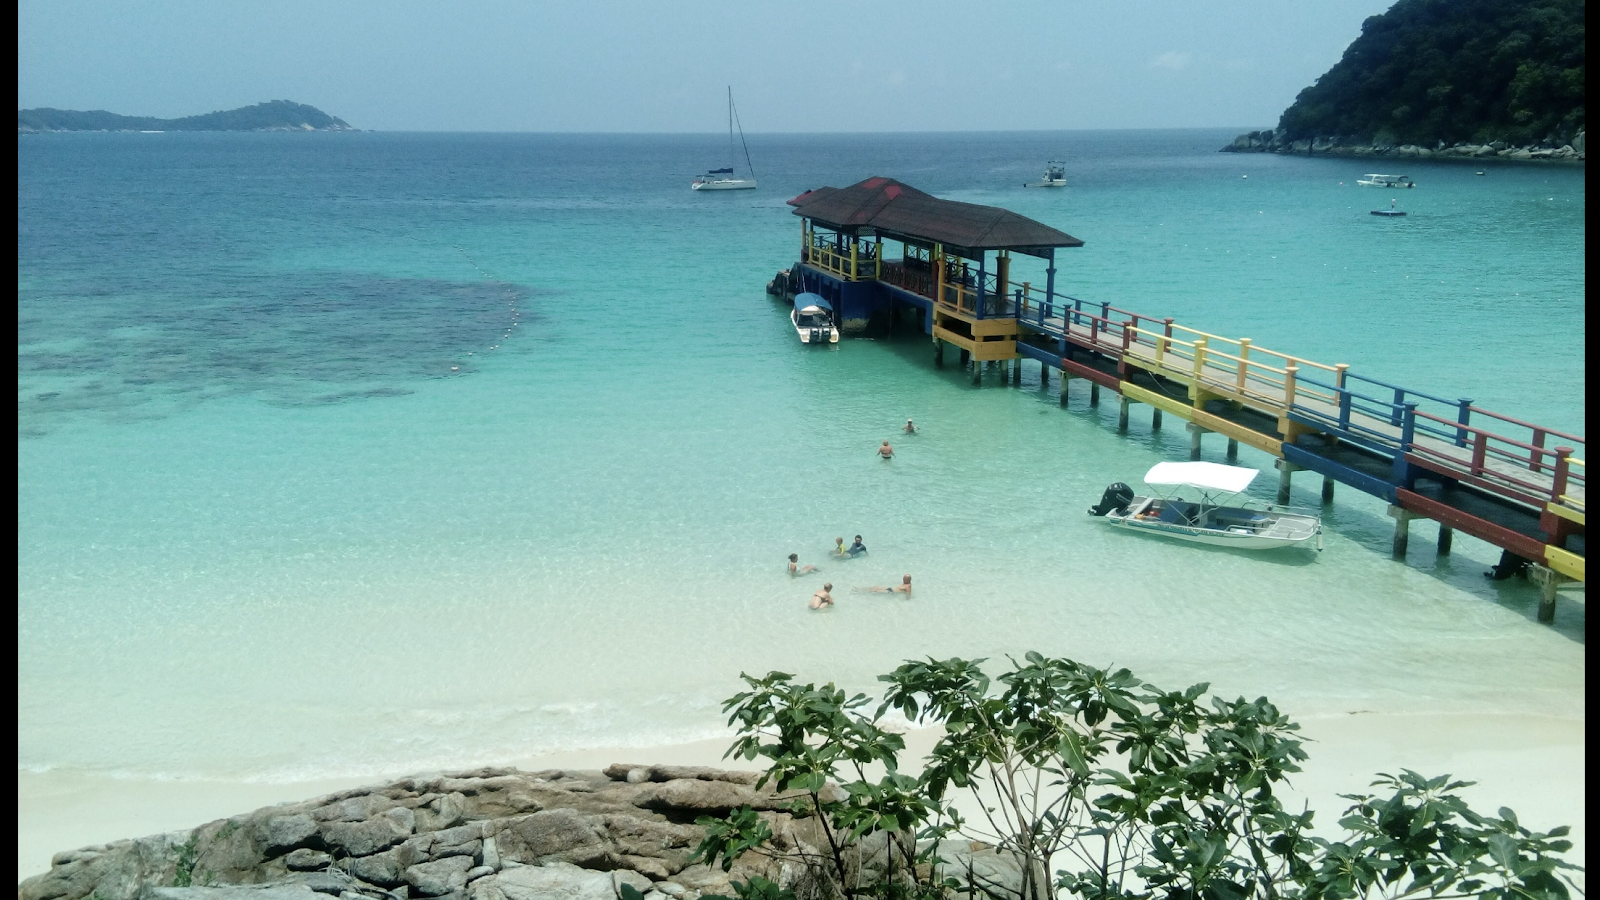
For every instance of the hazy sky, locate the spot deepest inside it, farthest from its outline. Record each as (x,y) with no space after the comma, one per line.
(612,65)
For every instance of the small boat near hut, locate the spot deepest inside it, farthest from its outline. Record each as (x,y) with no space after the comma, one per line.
(1218,516)
(813,319)
(1055,175)
(1386,181)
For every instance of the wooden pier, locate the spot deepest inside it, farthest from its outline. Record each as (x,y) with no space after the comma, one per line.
(1514,484)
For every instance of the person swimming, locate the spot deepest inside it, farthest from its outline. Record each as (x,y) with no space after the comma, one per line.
(796,569)
(904,587)
(857,548)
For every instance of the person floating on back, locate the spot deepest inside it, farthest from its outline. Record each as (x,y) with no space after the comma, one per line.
(857,548)
(886,451)
(796,569)
(822,597)
(904,587)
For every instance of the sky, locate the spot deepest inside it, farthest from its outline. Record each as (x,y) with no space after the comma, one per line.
(621,66)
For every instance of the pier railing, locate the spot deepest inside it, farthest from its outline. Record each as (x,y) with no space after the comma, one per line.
(1505,465)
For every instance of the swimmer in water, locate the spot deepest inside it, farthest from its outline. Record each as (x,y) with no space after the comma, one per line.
(910,428)
(822,597)
(904,587)
(796,569)
(838,547)
(886,451)
(857,548)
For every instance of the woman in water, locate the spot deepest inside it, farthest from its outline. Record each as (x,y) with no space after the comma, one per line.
(796,569)
(904,587)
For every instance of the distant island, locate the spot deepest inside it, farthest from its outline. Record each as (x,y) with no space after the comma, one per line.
(274,115)
(1461,78)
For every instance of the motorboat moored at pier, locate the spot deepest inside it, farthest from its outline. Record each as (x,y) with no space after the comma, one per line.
(1219,517)
(813,319)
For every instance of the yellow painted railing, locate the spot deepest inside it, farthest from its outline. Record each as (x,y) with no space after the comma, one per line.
(850,263)
(1244,374)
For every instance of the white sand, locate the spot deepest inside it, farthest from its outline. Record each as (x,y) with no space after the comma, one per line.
(1534,765)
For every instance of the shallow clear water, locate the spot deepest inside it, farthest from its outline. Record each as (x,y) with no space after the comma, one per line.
(349,454)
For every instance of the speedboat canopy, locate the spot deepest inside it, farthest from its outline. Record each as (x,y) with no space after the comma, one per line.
(1204,475)
(809,300)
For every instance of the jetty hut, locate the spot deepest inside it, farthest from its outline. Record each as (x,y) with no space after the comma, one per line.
(951,261)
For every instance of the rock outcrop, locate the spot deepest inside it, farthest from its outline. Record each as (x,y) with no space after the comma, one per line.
(1269,141)
(489,834)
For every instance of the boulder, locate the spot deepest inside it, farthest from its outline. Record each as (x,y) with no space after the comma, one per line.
(439,877)
(307,860)
(556,881)
(377,833)
(442,812)
(280,834)
(700,796)
(235,892)
(562,833)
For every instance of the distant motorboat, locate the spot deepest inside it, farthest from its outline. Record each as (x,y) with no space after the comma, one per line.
(1218,518)
(1388,181)
(723,179)
(813,319)
(1055,175)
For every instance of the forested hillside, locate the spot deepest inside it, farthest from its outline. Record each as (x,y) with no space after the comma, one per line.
(275,115)
(1428,71)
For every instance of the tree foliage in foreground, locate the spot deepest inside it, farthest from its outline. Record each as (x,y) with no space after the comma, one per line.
(1096,785)
(1453,70)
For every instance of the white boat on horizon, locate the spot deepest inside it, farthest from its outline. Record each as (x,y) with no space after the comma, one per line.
(1219,517)
(724,179)
(1387,181)
(1055,175)
(812,317)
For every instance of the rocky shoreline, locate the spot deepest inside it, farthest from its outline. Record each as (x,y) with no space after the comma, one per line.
(487,834)
(1269,141)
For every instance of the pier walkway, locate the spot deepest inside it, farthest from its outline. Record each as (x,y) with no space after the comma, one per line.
(1512,483)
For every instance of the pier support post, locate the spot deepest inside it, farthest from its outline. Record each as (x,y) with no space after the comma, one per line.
(938,353)
(966,356)
(1327,489)
(1195,431)
(1066,380)
(1233,448)
(1155,418)
(1122,414)
(977,373)
(1548,580)
(1447,536)
(1285,470)
(1044,375)
(1402,530)
(1094,394)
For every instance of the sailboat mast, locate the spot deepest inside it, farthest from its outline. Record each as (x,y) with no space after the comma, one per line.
(731,158)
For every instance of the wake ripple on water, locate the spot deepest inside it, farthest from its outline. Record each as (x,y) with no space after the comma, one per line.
(298,339)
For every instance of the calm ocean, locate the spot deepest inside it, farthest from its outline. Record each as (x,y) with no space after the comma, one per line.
(346,454)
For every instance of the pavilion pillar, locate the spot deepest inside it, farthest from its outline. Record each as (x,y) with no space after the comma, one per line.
(1050,278)
(1002,276)
(977,303)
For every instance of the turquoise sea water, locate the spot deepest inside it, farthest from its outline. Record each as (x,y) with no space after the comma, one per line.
(358,454)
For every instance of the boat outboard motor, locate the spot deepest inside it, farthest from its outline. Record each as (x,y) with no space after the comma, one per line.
(1116,497)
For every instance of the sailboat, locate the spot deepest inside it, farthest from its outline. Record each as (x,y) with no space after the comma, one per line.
(724,179)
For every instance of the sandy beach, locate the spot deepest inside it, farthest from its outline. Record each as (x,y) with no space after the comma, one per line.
(1535,765)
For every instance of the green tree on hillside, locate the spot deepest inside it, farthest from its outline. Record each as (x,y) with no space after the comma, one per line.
(1453,70)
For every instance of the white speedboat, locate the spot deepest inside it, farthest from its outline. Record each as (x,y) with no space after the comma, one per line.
(1218,515)
(723,179)
(1386,181)
(1055,175)
(813,319)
